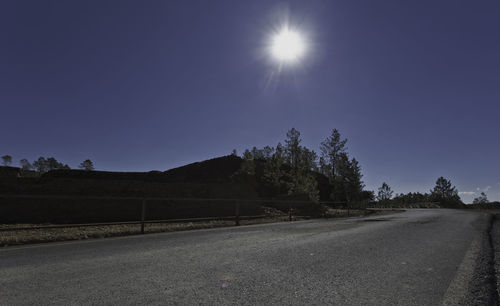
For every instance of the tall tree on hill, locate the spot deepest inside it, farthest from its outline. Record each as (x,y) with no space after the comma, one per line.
(273,169)
(445,193)
(267,152)
(309,158)
(344,174)
(43,165)
(349,175)
(292,147)
(331,148)
(299,178)
(87,165)
(40,165)
(248,165)
(6,160)
(53,164)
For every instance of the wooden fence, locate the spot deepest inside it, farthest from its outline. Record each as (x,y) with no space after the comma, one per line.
(142,219)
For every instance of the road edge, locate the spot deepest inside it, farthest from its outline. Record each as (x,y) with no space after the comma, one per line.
(476,277)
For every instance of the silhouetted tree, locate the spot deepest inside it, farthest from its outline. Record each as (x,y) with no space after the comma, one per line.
(290,168)
(384,193)
(267,152)
(25,164)
(273,169)
(292,146)
(53,164)
(6,160)
(348,178)
(234,153)
(43,165)
(299,178)
(248,165)
(482,199)
(368,195)
(40,165)
(330,149)
(445,193)
(87,165)
(334,160)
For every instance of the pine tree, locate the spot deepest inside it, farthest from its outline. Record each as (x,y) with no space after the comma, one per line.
(384,193)
(445,193)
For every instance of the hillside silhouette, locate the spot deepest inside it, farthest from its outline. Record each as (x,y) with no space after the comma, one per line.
(213,178)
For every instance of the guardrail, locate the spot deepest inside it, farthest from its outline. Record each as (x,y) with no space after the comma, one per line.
(143,216)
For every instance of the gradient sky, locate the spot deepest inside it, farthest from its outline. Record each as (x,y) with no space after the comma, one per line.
(134,86)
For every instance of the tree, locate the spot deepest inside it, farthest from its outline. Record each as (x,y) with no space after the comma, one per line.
(412,198)
(349,178)
(334,163)
(43,165)
(384,193)
(234,153)
(25,164)
(87,165)
(40,165)
(445,193)
(292,146)
(482,199)
(368,195)
(267,152)
(6,160)
(53,164)
(299,178)
(273,169)
(330,149)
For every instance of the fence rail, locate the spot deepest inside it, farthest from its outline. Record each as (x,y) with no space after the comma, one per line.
(143,215)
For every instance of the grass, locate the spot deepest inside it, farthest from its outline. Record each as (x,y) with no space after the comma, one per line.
(87,232)
(28,236)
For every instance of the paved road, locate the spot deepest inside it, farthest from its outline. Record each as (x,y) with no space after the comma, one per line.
(419,257)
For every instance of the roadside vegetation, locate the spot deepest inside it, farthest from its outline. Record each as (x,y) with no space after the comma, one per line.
(286,171)
(274,181)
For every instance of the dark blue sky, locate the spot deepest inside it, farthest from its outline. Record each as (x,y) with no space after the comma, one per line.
(413,85)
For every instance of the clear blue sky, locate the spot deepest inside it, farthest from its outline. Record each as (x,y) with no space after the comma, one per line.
(143,85)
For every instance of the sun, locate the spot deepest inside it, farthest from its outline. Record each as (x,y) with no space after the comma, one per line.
(287,45)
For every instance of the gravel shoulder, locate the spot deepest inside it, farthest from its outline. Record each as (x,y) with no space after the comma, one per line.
(495,241)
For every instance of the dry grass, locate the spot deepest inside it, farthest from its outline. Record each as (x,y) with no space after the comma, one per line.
(87,232)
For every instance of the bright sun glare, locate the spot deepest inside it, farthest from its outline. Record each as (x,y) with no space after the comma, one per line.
(287,45)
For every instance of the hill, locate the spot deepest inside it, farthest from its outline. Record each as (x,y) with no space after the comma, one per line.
(186,186)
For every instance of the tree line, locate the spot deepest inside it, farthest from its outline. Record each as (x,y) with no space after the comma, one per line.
(443,192)
(291,169)
(43,165)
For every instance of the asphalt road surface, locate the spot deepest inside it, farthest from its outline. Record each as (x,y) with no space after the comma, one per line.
(418,257)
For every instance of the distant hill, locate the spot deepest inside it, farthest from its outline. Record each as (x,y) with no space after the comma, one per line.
(218,169)
(187,189)
(216,177)
(9,172)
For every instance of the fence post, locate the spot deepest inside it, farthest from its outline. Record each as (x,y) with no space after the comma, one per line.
(237,212)
(143,215)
